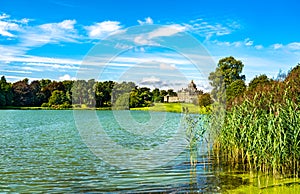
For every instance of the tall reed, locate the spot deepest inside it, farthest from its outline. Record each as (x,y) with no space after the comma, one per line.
(262,135)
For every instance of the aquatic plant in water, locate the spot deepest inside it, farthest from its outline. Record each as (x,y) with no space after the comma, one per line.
(195,128)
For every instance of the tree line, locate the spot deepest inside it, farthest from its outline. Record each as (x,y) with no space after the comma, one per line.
(79,93)
(229,85)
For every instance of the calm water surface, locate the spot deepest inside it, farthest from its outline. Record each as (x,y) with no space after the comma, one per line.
(42,151)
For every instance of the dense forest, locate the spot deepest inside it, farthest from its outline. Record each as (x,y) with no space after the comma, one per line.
(79,93)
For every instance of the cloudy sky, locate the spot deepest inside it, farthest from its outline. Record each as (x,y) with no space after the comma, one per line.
(149,42)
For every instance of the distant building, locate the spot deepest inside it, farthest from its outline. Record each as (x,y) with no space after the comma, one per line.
(188,94)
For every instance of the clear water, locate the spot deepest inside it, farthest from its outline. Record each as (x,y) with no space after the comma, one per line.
(43,151)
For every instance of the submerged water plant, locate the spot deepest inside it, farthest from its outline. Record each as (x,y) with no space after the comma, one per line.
(195,128)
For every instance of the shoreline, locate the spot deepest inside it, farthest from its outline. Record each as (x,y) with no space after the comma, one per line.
(159,107)
(49,108)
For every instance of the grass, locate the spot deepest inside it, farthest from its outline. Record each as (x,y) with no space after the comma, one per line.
(159,107)
(175,107)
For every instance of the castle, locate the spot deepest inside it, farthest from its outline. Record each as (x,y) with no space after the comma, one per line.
(188,94)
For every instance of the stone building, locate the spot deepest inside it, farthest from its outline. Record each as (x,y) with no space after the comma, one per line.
(188,94)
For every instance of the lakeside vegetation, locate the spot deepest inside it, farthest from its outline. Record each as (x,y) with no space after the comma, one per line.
(261,131)
(82,94)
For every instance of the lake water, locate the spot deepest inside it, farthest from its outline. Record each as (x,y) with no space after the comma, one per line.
(61,151)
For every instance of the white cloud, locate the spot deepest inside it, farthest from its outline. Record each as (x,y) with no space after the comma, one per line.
(148,20)
(14,78)
(277,46)
(8,26)
(143,40)
(102,29)
(5,27)
(229,44)
(248,42)
(31,69)
(142,49)
(54,66)
(66,77)
(152,79)
(258,47)
(208,29)
(123,46)
(39,60)
(17,71)
(4,16)
(169,30)
(294,46)
(35,36)
(67,24)
(165,66)
(7,50)
(155,58)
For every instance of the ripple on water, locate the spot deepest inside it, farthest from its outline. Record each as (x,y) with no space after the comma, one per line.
(42,151)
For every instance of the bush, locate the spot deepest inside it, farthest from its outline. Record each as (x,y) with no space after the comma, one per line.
(65,105)
(45,104)
(205,100)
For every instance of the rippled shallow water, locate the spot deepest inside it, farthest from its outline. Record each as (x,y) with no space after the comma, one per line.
(42,151)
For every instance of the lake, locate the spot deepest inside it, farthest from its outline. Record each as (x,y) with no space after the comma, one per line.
(62,151)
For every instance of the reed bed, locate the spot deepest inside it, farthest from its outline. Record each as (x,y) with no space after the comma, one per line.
(262,139)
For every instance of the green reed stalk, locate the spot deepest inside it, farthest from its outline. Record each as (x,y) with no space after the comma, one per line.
(266,140)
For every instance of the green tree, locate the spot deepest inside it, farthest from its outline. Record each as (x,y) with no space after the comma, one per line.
(80,92)
(162,94)
(171,92)
(228,70)
(122,102)
(37,96)
(258,80)
(145,96)
(68,84)
(103,92)
(292,82)
(58,98)
(22,95)
(204,99)
(5,92)
(48,87)
(156,97)
(122,88)
(235,89)
(135,99)
(91,101)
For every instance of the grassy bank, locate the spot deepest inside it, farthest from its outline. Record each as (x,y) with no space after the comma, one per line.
(174,107)
(51,108)
(159,107)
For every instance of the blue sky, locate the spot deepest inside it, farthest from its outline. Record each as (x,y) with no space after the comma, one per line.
(51,39)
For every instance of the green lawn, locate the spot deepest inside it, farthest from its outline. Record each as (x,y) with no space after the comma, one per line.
(174,107)
(160,107)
